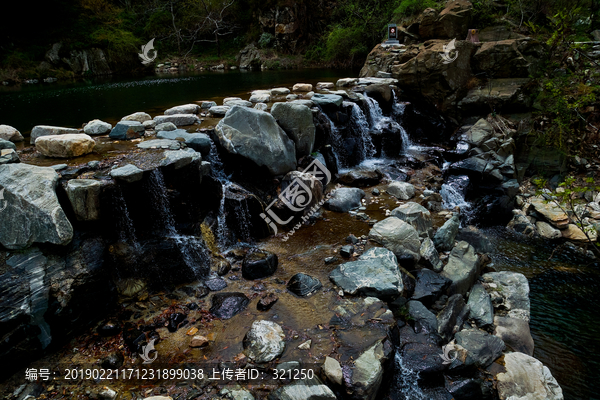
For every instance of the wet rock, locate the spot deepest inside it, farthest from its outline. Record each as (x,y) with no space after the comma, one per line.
(218,111)
(345,199)
(33,213)
(351,239)
(259,264)
(65,146)
(361,178)
(305,389)
(84,195)
(175,321)
(547,231)
(330,260)
(128,173)
(416,215)
(399,237)
(109,328)
(422,358)
(138,117)
(375,273)
(107,393)
(134,338)
(347,251)
(481,347)
(199,142)
(183,109)
(521,224)
(333,370)
(527,378)
(311,187)
(481,131)
(178,119)
(465,389)
(452,317)
(424,320)
(515,333)
(401,190)
(550,211)
(113,361)
(178,159)
(199,341)
(165,126)
(223,266)
(11,134)
(430,256)
(382,93)
(375,192)
(327,101)
(367,374)
(5,144)
(264,342)
(46,130)
(255,135)
(266,302)
(127,130)
(480,306)
(462,268)
(160,144)
(9,156)
(303,285)
(510,292)
(297,122)
(429,286)
(215,284)
(97,127)
(444,237)
(226,305)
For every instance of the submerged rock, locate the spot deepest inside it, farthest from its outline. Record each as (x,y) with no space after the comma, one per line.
(127,130)
(226,305)
(264,342)
(303,285)
(267,301)
(259,264)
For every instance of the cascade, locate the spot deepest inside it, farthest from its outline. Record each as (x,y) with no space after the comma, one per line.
(336,141)
(361,125)
(453,193)
(124,222)
(405,386)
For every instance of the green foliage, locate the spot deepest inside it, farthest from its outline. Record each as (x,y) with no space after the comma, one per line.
(413,7)
(265,40)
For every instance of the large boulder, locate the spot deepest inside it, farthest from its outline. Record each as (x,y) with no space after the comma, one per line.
(452,22)
(345,199)
(97,127)
(375,273)
(249,57)
(9,133)
(444,237)
(510,292)
(183,109)
(65,146)
(510,58)
(480,306)
(367,374)
(429,286)
(137,116)
(452,317)
(397,236)
(127,130)
(84,195)
(32,213)
(416,215)
(46,130)
(255,135)
(515,333)
(259,264)
(424,320)
(297,121)
(178,119)
(481,347)
(527,379)
(462,268)
(264,342)
(401,190)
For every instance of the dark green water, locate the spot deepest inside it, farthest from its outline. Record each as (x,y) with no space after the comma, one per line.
(75,103)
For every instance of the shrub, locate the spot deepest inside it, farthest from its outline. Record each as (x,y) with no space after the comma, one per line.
(413,7)
(265,40)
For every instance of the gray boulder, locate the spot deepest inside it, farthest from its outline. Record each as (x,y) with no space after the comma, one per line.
(151,124)
(425,321)
(97,127)
(178,119)
(462,268)
(452,317)
(127,130)
(255,135)
(138,116)
(282,91)
(327,101)
(345,199)
(297,121)
(205,105)
(333,370)
(9,156)
(480,306)
(183,109)
(197,141)
(375,273)
(444,237)
(526,378)
(84,195)
(180,158)
(65,146)
(397,236)
(416,215)
(165,126)
(367,374)
(264,342)
(515,333)
(307,389)
(32,213)
(128,173)
(46,130)
(479,133)
(430,256)
(11,134)
(481,347)
(510,292)
(5,144)
(260,96)
(401,190)
(547,231)
(304,102)
(160,144)
(429,286)
(218,111)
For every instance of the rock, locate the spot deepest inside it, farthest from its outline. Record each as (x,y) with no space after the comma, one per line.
(521,224)
(264,342)
(160,144)
(179,158)
(178,119)
(345,199)
(113,361)
(347,251)
(149,124)
(515,333)
(424,320)
(297,122)
(367,374)
(199,341)
(200,142)
(302,87)
(6,145)
(550,211)
(184,109)
(84,195)
(97,127)
(422,358)
(303,285)
(305,345)
(573,232)
(453,21)
(429,286)
(218,111)
(333,370)
(236,101)
(226,305)
(430,256)
(236,392)
(65,146)
(255,135)
(307,389)
(138,116)
(401,190)
(444,237)
(33,213)
(361,178)
(479,133)
(375,273)
(451,318)
(158,398)
(526,378)
(327,101)
(128,173)
(510,58)
(11,134)
(249,57)
(46,130)
(510,292)
(280,91)
(259,264)
(382,93)
(304,102)
(215,284)
(476,238)
(127,130)
(266,302)
(416,215)
(260,96)
(397,236)
(462,268)
(480,306)
(9,156)
(482,348)
(261,106)
(165,126)
(505,94)
(346,82)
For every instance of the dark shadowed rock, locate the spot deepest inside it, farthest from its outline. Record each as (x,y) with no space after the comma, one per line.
(482,348)
(429,286)
(452,317)
(226,305)
(425,321)
(444,237)
(480,306)
(266,302)
(361,178)
(345,199)
(259,264)
(303,285)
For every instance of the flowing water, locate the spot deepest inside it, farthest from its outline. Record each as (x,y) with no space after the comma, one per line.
(361,125)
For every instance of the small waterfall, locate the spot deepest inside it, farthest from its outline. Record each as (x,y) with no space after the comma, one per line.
(379,121)
(397,113)
(361,125)
(454,191)
(124,222)
(405,385)
(336,141)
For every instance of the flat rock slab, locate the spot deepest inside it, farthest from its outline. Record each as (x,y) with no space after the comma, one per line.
(47,130)
(226,305)
(527,378)
(160,144)
(65,146)
(178,119)
(128,173)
